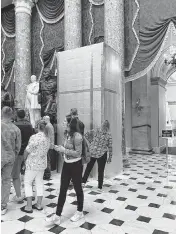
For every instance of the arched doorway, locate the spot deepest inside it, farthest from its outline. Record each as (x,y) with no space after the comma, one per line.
(161,76)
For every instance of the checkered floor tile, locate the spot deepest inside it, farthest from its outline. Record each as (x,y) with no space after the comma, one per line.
(141,200)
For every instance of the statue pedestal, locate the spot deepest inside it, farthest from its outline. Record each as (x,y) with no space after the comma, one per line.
(89,79)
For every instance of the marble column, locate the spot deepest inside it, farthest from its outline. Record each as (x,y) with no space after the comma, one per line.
(22,49)
(114,37)
(158,113)
(72,24)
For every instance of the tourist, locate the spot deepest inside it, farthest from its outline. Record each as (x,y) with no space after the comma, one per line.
(10,147)
(100,145)
(74,114)
(36,162)
(72,169)
(49,126)
(6,97)
(26,132)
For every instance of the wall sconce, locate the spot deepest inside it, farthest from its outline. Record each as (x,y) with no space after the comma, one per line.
(138,107)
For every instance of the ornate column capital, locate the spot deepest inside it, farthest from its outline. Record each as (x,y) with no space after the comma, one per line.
(158,81)
(24,6)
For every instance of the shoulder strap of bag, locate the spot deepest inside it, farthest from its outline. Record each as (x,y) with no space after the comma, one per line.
(74,141)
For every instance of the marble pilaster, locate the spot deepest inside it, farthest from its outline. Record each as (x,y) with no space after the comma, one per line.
(114,26)
(72,24)
(114,37)
(22,49)
(158,112)
(141,116)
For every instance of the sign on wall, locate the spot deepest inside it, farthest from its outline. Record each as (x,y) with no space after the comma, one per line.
(166,133)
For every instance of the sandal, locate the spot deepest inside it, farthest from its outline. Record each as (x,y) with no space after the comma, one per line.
(27,211)
(36,208)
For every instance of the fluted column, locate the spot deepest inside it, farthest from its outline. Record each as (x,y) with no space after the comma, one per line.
(72,24)
(22,49)
(114,37)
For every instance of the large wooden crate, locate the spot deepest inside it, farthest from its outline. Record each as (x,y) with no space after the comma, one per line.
(89,79)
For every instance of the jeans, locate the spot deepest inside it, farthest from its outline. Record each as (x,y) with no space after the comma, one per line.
(101,166)
(6,170)
(71,171)
(29,177)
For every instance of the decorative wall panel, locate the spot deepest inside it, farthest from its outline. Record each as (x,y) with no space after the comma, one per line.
(9,49)
(92,23)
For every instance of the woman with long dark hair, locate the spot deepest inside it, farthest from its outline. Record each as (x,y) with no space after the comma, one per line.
(100,140)
(72,169)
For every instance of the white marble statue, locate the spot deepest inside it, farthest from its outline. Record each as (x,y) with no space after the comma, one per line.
(32,101)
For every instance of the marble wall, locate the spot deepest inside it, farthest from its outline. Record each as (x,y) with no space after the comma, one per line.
(128,115)
(141,115)
(171,98)
(162,115)
(158,112)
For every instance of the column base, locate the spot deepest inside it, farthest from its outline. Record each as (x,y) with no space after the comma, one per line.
(138,151)
(158,150)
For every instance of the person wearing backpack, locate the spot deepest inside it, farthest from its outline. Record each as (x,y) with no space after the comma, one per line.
(72,169)
(100,141)
(74,114)
(85,148)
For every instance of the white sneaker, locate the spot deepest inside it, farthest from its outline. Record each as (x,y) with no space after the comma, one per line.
(53,219)
(3,210)
(100,190)
(18,199)
(77,216)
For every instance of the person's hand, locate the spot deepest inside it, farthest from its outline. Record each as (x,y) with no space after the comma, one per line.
(51,146)
(56,147)
(61,149)
(109,160)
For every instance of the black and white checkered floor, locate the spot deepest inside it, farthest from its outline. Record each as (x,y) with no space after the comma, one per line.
(141,200)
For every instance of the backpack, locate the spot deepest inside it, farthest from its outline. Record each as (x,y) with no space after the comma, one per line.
(85,151)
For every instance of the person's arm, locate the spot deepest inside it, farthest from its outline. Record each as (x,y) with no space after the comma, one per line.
(89,135)
(35,90)
(18,142)
(25,155)
(31,144)
(77,151)
(110,147)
